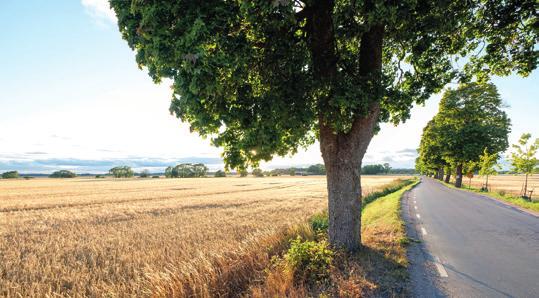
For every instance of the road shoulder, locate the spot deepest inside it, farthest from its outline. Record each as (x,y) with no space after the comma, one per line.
(423,274)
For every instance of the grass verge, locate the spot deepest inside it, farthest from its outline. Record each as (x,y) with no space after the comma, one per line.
(310,268)
(501,196)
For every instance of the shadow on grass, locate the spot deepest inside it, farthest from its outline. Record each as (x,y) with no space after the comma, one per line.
(368,273)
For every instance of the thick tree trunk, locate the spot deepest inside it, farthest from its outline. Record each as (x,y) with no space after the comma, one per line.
(447,177)
(343,151)
(440,175)
(458,177)
(342,155)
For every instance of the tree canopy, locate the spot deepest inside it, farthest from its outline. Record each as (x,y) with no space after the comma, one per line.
(470,121)
(244,72)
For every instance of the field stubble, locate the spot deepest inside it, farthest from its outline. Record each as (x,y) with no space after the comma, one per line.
(509,184)
(135,237)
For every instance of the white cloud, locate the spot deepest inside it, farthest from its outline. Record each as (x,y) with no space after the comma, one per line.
(100,11)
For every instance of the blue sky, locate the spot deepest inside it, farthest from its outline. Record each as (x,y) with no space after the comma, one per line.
(71,96)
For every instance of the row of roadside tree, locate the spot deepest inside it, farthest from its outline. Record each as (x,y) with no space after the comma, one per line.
(469,135)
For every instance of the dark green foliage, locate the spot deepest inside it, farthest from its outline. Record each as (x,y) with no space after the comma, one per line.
(186,170)
(99,176)
(63,174)
(144,174)
(470,120)
(220,173)
(10,175)
(243,173)
(155,177)
(121,172)
(246,70)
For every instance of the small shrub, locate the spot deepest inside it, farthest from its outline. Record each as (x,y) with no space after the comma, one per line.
(220,174)
(502,193)
(309,260)
(243,173)
(144,174)
(319,222)
(155,177)
(99,176)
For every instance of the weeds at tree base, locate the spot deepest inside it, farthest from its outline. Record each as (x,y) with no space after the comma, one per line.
(310,268)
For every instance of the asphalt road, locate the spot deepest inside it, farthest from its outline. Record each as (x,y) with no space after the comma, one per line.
(470,245)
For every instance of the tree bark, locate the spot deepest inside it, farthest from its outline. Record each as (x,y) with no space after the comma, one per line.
(447,177)
(458,177)
(343,151)
(440,174)
(342,155)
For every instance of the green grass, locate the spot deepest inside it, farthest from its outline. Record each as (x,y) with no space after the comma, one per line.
(392,187)
(518,201)
(383,214)
(379,269)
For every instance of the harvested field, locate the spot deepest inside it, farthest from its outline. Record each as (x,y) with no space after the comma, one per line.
(510,184)
(132,237)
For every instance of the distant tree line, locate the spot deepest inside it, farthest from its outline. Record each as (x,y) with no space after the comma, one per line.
(63,174)
(122,172)
(10,175)
(186,170)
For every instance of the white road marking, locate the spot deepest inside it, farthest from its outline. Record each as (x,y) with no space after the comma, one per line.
(418,216)
(440,267)
(423,231)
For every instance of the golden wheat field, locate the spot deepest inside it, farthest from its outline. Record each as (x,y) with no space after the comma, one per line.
(510,184)
(136,237)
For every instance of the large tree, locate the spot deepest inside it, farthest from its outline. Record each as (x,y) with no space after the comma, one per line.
(430,160)
(471,120)
(263,78)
